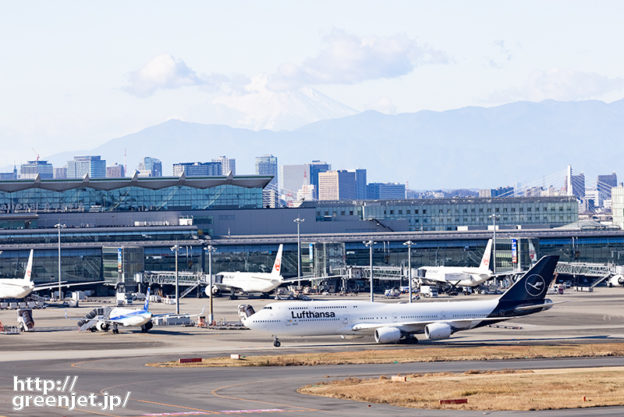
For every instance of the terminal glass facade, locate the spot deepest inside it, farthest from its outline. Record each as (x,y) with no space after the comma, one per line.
(130,198)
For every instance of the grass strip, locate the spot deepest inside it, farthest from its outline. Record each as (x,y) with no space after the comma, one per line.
(414,354)
(523,390)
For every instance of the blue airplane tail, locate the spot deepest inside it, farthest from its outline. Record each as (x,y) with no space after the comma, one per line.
(147,298)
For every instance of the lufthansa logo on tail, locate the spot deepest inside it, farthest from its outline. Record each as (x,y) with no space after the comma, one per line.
(535,285)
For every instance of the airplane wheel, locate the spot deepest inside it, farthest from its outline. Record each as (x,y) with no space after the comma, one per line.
(276,343)
(233,297)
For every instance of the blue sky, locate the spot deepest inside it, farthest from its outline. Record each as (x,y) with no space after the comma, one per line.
(75,74)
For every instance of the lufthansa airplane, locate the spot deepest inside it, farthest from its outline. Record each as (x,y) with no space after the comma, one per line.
(390,323)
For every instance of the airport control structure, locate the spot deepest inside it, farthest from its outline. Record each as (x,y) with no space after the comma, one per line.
(123,230)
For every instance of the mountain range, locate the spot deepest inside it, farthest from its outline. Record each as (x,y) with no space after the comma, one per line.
(467,147)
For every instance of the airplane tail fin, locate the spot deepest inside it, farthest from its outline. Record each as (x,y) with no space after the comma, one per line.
(277,266)
(487,255)
(28,273)
(147,299)
(534,284)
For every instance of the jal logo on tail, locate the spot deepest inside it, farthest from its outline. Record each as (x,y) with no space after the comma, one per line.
(277,266)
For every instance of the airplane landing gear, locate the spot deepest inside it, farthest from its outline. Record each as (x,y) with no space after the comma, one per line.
(276,342)
(115,328)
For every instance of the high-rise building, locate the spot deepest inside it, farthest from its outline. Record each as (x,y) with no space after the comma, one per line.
(115,171)
(92,165)
(197,169)
(150,167)
(31,169)
(385,191)
(267,165)
(604,184)
(617,205)
(337,185)
(227,165)
(316,167)
(60,173)
(294,177)
(360,184)
(8,176)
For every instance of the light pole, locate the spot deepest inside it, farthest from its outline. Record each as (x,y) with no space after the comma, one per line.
(409,244)
(369,244)
(494,217)
(298,220)
(175,249)
(58,227)
(210,249)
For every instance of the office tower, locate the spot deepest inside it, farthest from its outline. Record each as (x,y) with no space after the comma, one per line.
(604,184)
(93,165)
(316,167)
(7,176)
(197,169)
(60,173)
(150,167)
(360,184)
(115,171)
(267,165)
(385,191)
(294,177)
(227,164)
(31,169)
(337,185)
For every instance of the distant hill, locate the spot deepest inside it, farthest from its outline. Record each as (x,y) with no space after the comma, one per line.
(469,147)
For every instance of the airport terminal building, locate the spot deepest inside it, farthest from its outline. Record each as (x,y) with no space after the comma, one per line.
(112,228)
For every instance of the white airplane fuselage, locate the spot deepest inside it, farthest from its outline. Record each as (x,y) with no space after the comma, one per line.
(129,317)
(456,275)
(322,318)
(249,282)
(15,288)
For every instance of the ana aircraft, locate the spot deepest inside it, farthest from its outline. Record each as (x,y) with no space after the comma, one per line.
(119,316)
(251,282)
(459,275)
(22,287)
(390,323)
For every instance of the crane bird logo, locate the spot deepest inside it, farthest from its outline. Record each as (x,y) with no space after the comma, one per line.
(535,285)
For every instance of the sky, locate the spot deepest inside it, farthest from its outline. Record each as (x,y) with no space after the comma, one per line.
(75,74)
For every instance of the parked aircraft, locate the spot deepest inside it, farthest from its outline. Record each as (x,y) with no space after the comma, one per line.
(459,275)
(390,323)
(107,318)
(250,282)
(22,287)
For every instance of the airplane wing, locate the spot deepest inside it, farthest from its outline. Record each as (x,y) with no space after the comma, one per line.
(53,286)
(459,322)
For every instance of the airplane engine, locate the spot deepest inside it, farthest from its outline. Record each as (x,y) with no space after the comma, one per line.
(387,335)
(102,326)
(215,291)
(436,331)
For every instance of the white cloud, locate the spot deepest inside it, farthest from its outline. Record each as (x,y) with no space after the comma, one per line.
(161,72)
(563,85)
(349,59)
